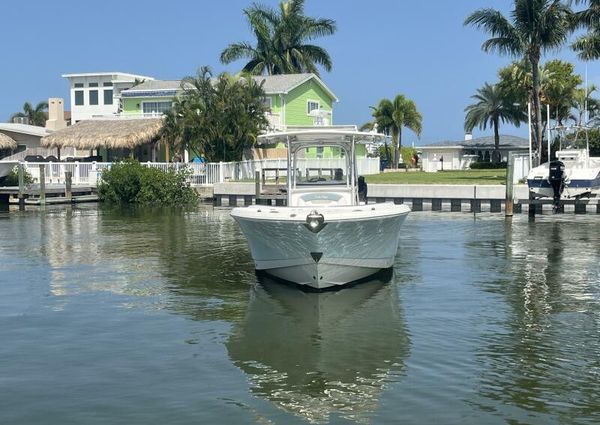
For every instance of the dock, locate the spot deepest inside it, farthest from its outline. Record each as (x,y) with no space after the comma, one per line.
(50,195)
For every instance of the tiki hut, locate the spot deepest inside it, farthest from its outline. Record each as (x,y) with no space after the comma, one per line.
(7,142)
(116,134)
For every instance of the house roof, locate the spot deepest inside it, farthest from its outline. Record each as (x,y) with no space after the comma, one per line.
(156,85)
(153,88)
(7,142)
(104,74)
(273,84)
(284,83)
(480,142)
(113,134)
(32,130)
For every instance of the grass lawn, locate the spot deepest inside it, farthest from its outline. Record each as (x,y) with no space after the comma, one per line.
(471,177)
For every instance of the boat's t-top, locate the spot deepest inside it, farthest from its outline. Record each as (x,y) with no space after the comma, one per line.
(332,186)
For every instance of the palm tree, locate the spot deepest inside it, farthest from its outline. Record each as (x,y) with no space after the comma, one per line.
(492,107)
(391,116)
(35,116)
(536,26)
(588,45)
(281,41)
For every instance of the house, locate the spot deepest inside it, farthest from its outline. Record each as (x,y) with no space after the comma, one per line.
(458,155)
(26,140)
(151,98)
(293,100)
(96,94)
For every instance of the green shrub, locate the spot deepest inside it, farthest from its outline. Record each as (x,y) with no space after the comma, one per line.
(13,178)
(488,165)
(129,182)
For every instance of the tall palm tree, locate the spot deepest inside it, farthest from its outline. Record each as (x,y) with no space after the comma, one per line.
(588,45)
(281,38)
(392,115)
(492,106)
(35,116)
(535,27)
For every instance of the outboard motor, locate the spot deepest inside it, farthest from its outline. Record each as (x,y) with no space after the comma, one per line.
(557,181)
(362,189)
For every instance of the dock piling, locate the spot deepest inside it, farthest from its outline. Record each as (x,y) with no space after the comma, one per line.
(21,174)
(42,184)
(509,201)
(68,185)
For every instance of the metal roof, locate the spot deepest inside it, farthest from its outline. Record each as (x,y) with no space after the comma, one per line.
(152,85)
(32,130)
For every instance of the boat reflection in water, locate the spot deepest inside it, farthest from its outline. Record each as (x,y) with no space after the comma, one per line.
(318,354)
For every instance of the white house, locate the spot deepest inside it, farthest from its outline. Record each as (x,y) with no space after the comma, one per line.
(98,93)
(458,155)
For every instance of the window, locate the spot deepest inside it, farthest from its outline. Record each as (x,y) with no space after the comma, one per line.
(311,105)
(93,85)
(268,102)
(78,85)
(319,151)
(108,97)
(93,97)
(156,107)
(107,84)
(78,97)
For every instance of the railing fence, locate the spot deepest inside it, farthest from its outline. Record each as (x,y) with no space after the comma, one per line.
(88,173)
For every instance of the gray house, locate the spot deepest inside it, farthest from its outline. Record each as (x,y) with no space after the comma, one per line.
(458,155)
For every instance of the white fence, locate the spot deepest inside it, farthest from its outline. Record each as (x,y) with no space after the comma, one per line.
(88,173)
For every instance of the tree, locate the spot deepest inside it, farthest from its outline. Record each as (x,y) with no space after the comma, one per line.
(35,116)
(536,26)
(216,119)
(558,87)
(492,107)
(391,116)
(281,38)
(588,45)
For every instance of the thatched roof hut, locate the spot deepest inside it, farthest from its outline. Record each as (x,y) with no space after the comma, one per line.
(7,142)
(111,134)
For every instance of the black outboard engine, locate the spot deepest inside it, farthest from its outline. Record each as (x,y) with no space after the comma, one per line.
(557,181)
(362,189)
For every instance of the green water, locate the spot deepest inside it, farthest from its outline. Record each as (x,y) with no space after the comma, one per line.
(157,317)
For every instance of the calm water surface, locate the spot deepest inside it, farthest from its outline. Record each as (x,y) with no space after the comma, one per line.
(156,317)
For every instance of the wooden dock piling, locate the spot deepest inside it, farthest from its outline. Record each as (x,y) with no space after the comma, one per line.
(68,185)
(42,184)
(21,175)
(509,199)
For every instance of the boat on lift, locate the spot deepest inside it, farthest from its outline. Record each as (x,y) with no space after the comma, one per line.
(581,175)
(325,236)
(574,174)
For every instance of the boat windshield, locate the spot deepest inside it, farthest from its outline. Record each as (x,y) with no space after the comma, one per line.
(321,175)
(322,165)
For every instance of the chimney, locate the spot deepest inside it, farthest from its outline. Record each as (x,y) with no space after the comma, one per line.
(468,136)
(56,114)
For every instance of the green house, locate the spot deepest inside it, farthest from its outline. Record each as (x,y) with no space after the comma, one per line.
(294,100)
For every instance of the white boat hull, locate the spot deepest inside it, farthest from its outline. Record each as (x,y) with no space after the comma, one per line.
(355,242)
(582,176)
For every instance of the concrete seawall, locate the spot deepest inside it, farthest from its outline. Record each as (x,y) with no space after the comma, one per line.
(452,198)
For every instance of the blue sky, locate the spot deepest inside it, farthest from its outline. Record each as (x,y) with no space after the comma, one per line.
(382,48)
